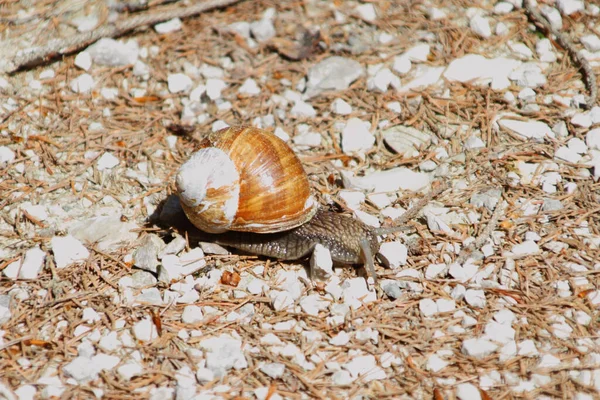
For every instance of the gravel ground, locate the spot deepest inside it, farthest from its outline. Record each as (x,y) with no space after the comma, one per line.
(471,114)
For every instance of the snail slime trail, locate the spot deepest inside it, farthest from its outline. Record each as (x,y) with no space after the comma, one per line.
(249,186)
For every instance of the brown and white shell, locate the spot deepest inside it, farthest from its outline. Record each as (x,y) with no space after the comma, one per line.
(245,179)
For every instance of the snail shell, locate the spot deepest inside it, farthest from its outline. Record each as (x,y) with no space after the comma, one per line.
(245,179)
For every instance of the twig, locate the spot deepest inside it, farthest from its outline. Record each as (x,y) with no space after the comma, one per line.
(413,211)
(588,74)
(484,234)
(32,56)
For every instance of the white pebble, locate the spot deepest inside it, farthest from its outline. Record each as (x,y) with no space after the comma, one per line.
(528,247)
(7,156)
(249,87)
(107,161)
(475,298)
(145,330)
(356,136)
(68,250)
(83,60)
(321,263)
(478,348)
(467,391)
(393,254)
(302,110)
(82,84)
(262,30)
(394,106)
(192,315)
(171,25)
(340,107)
(366,12)
(214,87)
(30,267)
(428,307)
(352,198)
(179,83)
(568,7)
(481,26)
(341,339)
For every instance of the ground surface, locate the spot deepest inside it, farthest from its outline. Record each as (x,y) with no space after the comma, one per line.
(87,165)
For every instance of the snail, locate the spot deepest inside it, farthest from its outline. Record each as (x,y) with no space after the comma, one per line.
(250,187)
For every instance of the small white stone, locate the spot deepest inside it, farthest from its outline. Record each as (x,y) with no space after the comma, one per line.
(478,348)
(568,7)
(356,136)
(526,248)
(262,30)
(501,29)
(394,106)
(109,93)
(90,315)
(145,330)
(502,333)
(83,60)
(340,107)
(434,270)
(467,391)
(528,129)
(321,263)
(192,315)
(302,110)
(84,83)
(107,161)
(273,370)
(435,13)
(179,83)
(435,363)
(68,250)
(382,80)
(355,293)
(402,64)
(481,26)
(520,50)
(393,254)
(527,348)
(591,42)
(249,87)
(385,38)
(129,370)
(171,25)
(308,139)
(549,361)
(552,15)
(445,305)
(365,367)
(214,87)
(592,140)
(352,198)
(367,218)
(503,7)
(366,12)
(7,156)
(29,267)
(107,51)
(475,298)
(341,339)
(428,307)
(527,94)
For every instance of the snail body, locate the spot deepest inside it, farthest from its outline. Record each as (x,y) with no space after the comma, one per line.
(250,187)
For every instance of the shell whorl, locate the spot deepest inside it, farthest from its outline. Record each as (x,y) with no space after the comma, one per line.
(245,179)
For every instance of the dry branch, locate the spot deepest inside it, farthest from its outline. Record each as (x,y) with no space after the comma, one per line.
(588,74)
(36,55)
